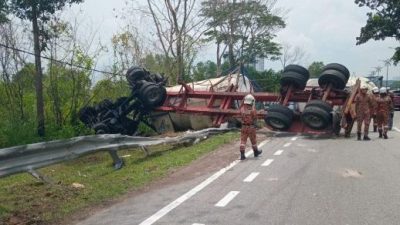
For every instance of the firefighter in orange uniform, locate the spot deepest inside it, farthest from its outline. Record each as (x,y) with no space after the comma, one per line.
(249,117)
(375,96)
(384,106)
(364,103)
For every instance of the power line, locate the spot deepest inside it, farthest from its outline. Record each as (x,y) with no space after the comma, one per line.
(58,61)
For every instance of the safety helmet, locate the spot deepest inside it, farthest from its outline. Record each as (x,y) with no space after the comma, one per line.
(383,90)
(375,90)
(364,86)
(249,99)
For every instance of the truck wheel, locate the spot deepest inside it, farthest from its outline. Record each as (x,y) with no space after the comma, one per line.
(297,69)
(278,121)
(321,104)
(279,117)
(152,95)
(316,118)
(299,81)
(337,67)
(87,115)
(334,77)
(135,74)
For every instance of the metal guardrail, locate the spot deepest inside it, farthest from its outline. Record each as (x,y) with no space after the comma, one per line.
(28,158)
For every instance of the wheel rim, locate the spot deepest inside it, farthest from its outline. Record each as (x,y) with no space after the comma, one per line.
(314,121)
(276,123)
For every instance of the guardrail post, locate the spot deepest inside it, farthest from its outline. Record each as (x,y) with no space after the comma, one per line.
(40,176)
(118,162)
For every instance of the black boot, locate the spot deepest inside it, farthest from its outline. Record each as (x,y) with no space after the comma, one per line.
(257,152)
(380,134)
(375,128)
(358,136)
(242,156)
(366,138)
(385,135)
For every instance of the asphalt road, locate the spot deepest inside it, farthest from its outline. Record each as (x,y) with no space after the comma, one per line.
(297,180)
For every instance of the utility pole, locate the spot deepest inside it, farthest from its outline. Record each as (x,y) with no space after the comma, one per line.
(387,64)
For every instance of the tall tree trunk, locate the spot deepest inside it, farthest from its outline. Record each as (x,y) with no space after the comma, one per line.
(39,75)
(231,53)
(219,70)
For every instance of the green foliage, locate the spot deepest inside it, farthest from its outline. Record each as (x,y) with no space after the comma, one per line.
(267,80)
(50,203)
(204,70)
(109,89)
(315,69)
(246,27)
(395,85)
(383,22)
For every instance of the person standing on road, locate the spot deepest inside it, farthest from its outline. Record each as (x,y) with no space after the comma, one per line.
(384,107)
(391,113)
(364,103)
(249,118)
(375,96)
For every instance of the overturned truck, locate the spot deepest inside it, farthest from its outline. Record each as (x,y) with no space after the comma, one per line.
(322,108)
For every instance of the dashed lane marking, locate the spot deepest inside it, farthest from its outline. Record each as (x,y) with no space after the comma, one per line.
(287,145)
(251,177)
(294,138)
(279,152)
(168,208)
(267,162)
(228,198)
(198,224)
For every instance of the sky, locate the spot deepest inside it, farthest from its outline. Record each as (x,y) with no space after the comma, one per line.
(325,29)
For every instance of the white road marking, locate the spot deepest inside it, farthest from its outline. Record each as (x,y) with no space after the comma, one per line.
(164,211)
(229,197)
(267,162)
(287,145)
(198,224)
(279,152)
(294,138)
(251,177)
(396,129)
(168,208)
(263,143)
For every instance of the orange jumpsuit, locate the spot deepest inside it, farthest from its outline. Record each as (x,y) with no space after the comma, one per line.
(384,106)
(248,129)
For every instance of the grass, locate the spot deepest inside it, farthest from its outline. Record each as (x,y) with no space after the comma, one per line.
(24,199)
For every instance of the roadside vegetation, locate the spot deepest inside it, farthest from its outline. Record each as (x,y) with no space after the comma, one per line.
(24,200)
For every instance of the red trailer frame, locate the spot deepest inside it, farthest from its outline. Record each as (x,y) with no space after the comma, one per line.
(178,102)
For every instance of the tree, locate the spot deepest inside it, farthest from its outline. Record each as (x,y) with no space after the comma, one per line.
(245,28)
(291,54)
(204,70)
(315,69)
(38,13)
(383,22)
(178,30)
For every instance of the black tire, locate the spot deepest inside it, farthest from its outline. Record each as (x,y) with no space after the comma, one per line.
(101,128)
(321,104)
(298,80)
(337,67)
(135,74)
(316,118)
(106,104)
(297,69)
(278,121)
(152,95)
(334,77)
(281,109)
(87,115)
